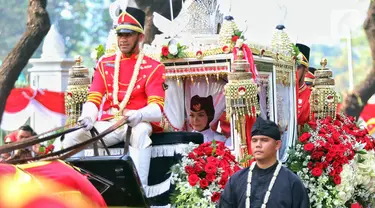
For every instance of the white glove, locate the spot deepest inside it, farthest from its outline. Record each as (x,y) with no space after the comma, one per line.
(150,113)
(88,116)
(134,117)
(87,123)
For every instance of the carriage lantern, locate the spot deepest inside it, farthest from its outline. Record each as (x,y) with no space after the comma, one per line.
(76,94)
(323,98)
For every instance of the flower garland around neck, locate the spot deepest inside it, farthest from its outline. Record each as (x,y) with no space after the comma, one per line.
(131,84)
(268,193)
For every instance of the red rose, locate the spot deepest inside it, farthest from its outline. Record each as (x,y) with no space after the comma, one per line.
(198,167)
(329,158)
(189,170)
(223,182)
(319,165)
(329,119)
(339,169)
(337,123)
(322,131)
(198,152)
(331,153)
(336,136)
(191,155)
(337,179)
(312,124)
(317,155)
(212,160)
(201,161)
(330,140)
(224,164)
(321,143)
(199,54)
(220,152)
(193,179)
(332,173)
(304,137)
(230,156)
(310,165)
(203,183)
(235,38)
(225,49)
(308,147)
(210,177)
(225,176)
(208,150)
(220,145)
(165,51)
(316,172)
(215,197)
(210,168)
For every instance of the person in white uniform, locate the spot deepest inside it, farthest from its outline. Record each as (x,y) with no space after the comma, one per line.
(202,112)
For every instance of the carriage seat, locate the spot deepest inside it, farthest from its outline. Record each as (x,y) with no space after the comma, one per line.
(158,140)
(166,152)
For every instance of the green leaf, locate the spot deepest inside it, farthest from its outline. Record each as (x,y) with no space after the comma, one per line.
(295,166)
(238,33)
(362,152)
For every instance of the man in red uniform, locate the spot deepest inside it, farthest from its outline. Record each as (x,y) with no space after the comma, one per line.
(133,87)
(304,92)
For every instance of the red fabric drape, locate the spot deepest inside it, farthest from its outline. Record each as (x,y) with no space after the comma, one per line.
(19,99)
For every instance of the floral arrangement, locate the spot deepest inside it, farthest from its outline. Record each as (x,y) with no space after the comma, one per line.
(173,50)
(237,35)
(202,175)
(43,150)
(335,160)
(296,54)
(98,52)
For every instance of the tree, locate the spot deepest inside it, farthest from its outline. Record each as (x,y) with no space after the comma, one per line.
(38,25)
(355,101)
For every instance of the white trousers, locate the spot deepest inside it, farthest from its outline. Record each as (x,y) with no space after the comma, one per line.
(140,137)
(140,150)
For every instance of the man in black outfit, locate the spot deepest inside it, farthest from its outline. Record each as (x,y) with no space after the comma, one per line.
(248,187)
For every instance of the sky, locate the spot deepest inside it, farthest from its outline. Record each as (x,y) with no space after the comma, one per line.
(306,21)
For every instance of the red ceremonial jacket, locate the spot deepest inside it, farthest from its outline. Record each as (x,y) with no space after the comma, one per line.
(148,87)
(303,104)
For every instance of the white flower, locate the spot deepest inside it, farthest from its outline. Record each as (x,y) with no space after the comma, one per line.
(239,43)
(359,146)
(93,54)
(173,49)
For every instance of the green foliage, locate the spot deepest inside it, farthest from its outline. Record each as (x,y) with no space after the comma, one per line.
(238,33)
(83,25)
(180,53)
(337,56)
(295,50)
(100,50)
